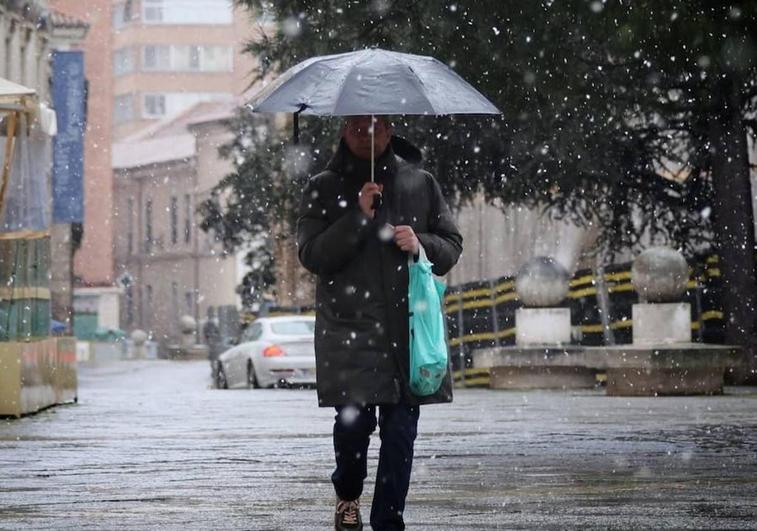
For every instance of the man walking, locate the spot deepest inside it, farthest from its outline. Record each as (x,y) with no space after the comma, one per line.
(359,252)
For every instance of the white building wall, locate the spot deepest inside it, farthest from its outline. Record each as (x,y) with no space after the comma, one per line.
(497,241)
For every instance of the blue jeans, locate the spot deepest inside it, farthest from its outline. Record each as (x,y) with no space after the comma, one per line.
(398,426)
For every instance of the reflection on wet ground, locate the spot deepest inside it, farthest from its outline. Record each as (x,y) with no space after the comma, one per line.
(150,445)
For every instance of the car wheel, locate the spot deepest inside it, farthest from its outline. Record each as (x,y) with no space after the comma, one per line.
(252,380)
(221,381)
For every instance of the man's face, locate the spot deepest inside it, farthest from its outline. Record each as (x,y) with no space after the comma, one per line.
(357,134)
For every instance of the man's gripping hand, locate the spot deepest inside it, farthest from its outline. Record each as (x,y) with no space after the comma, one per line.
(405,238)
(365,198)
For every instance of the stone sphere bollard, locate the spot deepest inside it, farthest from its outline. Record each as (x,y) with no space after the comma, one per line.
(660,274)
(187,324)
(542,282)
(139,337)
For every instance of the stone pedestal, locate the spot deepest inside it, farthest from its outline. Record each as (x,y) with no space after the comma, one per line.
(632,370)
(536,367)
(138,352)
(138,341)
(542,326)
(549,377)
(661,323)
(668,369)
(665,381)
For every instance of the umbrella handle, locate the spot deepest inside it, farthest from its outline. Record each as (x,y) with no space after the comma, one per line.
(378,201)
(373,148)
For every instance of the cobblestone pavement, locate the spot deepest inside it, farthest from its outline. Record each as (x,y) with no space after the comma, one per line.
(151,446)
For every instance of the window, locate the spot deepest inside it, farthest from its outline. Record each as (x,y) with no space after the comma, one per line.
(123,61)
(167,104)
(148,226)
(154,105)
(174,214)
(205,12)
(129,225)
(253,332)
(217,59)
(156,57)
(179,58)
(123,108)
(187,58)
(8,51)
(22,55)
(122,14)
(148,309)
(152,11)
(129,14)
(129,305)
(194,57)
(175,301)
(188,218)
(293,328)
(189,300)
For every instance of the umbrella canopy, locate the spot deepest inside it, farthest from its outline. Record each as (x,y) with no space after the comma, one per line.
(372,81)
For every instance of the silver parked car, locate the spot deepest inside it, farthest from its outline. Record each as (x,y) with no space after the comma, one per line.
(272,351)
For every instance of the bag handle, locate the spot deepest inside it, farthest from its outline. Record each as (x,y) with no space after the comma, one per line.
(421,255)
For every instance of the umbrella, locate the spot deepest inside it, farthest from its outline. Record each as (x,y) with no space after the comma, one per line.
(372,81)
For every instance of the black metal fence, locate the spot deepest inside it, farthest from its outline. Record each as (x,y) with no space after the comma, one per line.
(482,314)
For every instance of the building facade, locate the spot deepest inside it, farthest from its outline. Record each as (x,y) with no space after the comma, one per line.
(93,261)
(171,54)
(168,266)
(25,44)
(30,32)
(146,61)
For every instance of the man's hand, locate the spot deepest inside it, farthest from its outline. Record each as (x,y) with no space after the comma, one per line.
(405,238)
(365,197)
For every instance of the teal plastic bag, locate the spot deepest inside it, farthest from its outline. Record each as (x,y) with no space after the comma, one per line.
(428,342)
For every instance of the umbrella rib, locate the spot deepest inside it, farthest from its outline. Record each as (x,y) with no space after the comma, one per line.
(323,80)
(344,86)
(418,81)
(302,101)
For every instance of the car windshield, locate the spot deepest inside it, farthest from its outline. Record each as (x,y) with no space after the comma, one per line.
(293,328)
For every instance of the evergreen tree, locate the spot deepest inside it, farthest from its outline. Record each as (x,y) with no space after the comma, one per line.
(634,115)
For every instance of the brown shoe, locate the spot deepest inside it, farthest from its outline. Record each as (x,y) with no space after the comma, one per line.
(347,517)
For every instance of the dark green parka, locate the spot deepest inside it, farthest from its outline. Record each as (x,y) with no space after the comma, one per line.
(361,328)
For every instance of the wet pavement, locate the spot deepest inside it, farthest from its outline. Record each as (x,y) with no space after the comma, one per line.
(151,446)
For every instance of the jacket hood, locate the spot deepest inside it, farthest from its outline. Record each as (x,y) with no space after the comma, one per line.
(406,150)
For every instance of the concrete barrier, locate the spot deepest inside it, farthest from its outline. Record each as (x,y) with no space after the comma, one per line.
(37,374)
(105,351)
